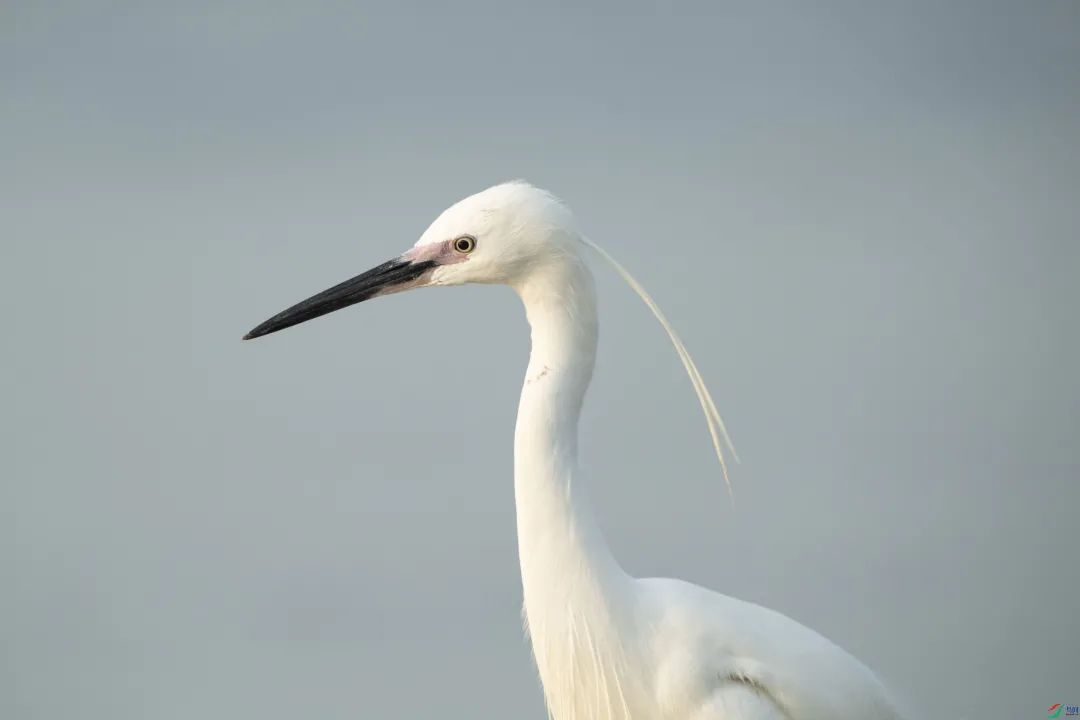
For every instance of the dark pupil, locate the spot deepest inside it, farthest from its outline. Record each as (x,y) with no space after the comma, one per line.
(463,244)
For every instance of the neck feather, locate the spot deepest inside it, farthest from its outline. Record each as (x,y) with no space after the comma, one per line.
(572,585)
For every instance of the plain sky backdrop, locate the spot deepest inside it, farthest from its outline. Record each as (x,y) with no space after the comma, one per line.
(862,217)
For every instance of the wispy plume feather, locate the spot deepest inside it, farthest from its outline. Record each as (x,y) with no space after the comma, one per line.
(717,430)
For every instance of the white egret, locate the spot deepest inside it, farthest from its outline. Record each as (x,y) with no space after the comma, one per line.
(608,646)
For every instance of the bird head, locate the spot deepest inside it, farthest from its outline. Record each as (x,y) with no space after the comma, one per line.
(502,235)
(508,234)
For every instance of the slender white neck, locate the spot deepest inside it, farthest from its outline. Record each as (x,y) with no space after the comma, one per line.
(572,585)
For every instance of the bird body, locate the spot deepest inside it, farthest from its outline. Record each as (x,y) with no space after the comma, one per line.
(611,646)
(607,646)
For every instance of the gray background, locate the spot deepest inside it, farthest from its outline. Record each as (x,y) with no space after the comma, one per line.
(862,217)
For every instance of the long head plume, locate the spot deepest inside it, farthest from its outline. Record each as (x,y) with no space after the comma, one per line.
(717,430)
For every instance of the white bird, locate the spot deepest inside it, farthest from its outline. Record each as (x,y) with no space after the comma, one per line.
(608,646)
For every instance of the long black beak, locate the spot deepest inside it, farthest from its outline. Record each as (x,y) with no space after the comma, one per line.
(385,278)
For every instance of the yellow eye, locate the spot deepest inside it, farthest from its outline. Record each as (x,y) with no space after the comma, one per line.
(465,244)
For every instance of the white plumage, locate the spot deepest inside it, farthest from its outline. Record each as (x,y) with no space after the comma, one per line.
(607,646)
